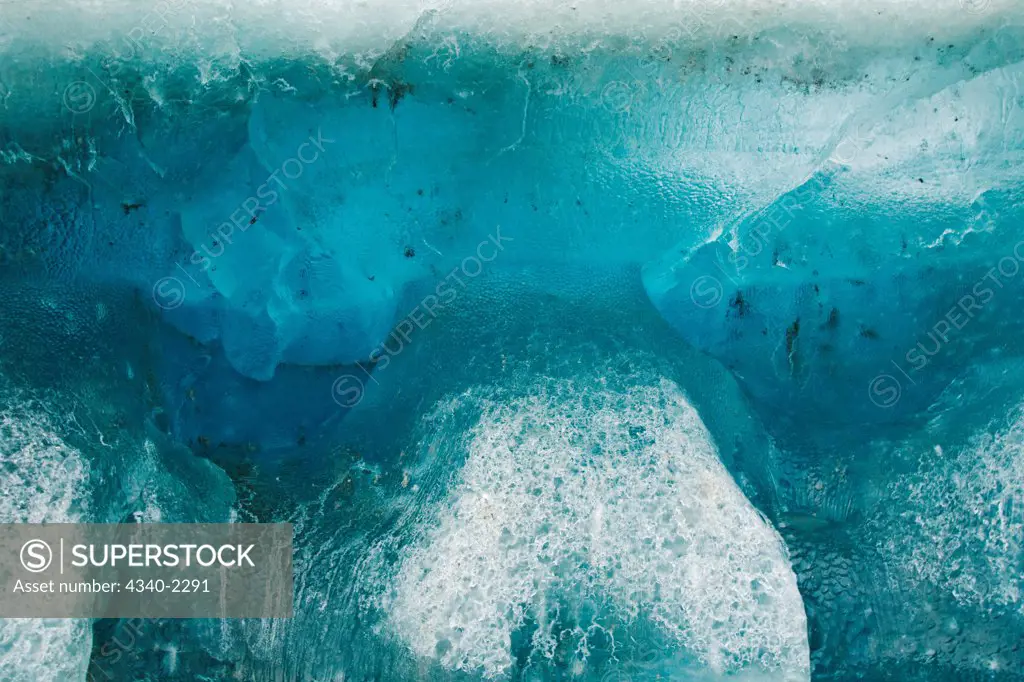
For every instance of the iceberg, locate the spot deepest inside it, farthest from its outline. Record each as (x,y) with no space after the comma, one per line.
(577,339)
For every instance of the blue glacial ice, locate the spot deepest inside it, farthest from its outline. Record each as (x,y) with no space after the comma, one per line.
(578,340)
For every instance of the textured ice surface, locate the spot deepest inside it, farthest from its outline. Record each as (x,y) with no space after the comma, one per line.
(353,26)
(43,479)
(74,448)
(979,487)
(580,507)
(232,205)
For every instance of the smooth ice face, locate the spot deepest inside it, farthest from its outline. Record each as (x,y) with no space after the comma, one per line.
(581,509)
(286,210)
(870,281)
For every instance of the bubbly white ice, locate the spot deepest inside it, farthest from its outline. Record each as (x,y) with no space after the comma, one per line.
(42,479)
(577,495)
